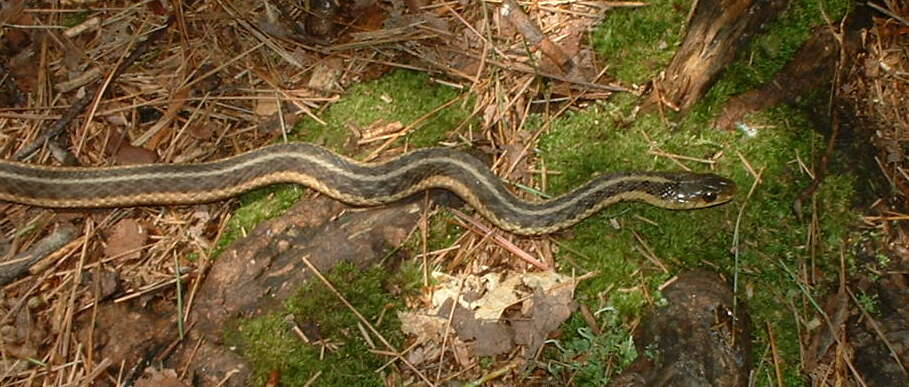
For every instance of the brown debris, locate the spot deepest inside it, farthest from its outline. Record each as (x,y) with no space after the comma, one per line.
(700,338)
(125,239)
(489,315)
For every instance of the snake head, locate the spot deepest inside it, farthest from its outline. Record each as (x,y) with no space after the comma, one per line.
(699,190)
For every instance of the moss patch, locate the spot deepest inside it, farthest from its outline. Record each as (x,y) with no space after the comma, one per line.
(638,43)
(270,343)
(772,237)
(401,96)
(587,359)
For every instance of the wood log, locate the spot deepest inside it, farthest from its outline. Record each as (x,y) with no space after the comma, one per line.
(716,31)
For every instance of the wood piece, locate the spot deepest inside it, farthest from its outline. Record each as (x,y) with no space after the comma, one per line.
(812,65)
(532,33)
(19,265)
(700,312)
(718,28)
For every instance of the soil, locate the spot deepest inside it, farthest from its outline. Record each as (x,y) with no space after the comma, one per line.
(702,337)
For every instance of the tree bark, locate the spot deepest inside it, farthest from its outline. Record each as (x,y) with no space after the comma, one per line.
(717,29)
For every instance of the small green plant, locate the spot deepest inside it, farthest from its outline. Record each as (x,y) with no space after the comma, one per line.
(592,360)
(869,302)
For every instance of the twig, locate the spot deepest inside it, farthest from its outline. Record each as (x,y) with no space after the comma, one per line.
(821,171)
(888,12)
(483,230)
(532,33)
(18,266)
(775,354)
(76,108)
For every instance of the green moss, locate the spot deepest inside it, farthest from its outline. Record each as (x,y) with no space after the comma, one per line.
(255,207)
(270,343)
(402,96)
(587,359)
(772,49)
(638,43)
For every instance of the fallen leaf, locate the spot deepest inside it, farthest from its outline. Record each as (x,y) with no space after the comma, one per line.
(125,239)
(326,75)
(489,314)
(203,131)
(266,106)
(132,155)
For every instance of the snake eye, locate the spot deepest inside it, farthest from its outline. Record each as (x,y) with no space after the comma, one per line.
(709,197)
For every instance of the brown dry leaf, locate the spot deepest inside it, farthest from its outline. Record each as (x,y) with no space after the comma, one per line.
(131,155)
(160,378)
(266,106)
(424,327)
(490,337)
(546,311)
(420,354)
(200,221)
(25,336)
(125,239)
(13,12)
(545,300)
(326,75)
(203,131)
(500,296)
(489,114)
(274,124)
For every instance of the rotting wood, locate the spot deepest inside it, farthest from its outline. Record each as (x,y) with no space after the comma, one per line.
(717,29)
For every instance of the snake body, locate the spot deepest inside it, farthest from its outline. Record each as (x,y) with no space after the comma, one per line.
(353,182)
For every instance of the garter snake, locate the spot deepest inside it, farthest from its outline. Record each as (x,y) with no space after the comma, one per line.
(353,182)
